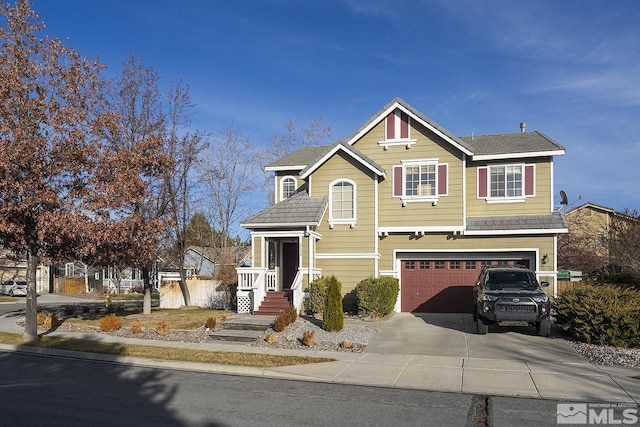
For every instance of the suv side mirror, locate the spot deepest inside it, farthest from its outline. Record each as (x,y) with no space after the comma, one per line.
(544,284)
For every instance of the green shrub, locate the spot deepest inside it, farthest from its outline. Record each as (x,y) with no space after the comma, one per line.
(602,315)
(377,296)
(317,290)
(333,316)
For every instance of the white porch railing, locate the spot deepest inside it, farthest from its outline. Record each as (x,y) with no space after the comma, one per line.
(254,283)
(126,285)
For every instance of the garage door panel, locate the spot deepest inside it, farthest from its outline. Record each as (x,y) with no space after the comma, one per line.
(440,286)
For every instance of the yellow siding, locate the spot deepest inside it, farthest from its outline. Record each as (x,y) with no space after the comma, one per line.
(443,243)
(449,209)
(342,238)
(256,244)
(348,271)
(540,204)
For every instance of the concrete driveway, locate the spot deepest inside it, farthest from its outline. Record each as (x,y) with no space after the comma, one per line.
(453,335)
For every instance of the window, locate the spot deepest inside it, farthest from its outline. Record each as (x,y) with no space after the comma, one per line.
(439,265)
(288,187)
(506,182)
(424,180)
(397,130)
(470,265)
(342,202)
(425,265)
(454,265)
(600,241)
(420,180)
(410,265)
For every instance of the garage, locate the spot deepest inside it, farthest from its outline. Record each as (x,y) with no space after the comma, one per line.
(442,285)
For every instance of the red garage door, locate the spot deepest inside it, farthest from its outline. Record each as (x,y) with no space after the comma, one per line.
(437,286)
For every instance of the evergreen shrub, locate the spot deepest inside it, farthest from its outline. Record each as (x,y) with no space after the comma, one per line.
(602,315)
(333,316)
(377,296)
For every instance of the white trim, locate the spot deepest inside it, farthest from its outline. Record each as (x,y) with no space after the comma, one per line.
(376,224)
(420,229)
(551,178)
(316,165)
(511,232)
(412,116)
(275,225)
(354,218)
(347,255)
(433,198)
(393,142)
(282,180)
(292,234)
(505,199)
(506,156)
(284,168)
(464,190)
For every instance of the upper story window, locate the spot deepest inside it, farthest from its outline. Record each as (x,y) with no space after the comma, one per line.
(423,180)
(342,202)
(506,182)
(397,130)
(287,187)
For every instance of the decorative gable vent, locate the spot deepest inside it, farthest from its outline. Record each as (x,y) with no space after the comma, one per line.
(397,130)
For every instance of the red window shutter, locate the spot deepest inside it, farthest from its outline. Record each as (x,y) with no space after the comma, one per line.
(529,180)
(404,125)
(482,182)
(391,126)
(442,179)
(397,181)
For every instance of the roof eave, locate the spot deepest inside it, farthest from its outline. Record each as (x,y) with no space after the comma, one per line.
(284,168)
(513,232)
(331,152)
(509,156)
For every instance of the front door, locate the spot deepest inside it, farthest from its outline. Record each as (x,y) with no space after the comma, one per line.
(290,264)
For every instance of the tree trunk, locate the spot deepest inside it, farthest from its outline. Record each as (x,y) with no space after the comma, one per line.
(31,316)
(184,289)
(146,278)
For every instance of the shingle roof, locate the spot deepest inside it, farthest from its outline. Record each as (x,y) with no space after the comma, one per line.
(377,117)
(511,143)
(298,210)
(552,222)
(301,157)
(357,154)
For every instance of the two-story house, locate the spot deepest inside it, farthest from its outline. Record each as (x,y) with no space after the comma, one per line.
(404,197)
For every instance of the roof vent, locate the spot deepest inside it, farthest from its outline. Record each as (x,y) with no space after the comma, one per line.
(523,126)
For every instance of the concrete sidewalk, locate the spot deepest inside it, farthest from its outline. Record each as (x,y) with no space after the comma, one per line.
(446,358)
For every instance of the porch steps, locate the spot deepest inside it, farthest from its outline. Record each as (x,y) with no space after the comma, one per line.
(274,303)
(242,328)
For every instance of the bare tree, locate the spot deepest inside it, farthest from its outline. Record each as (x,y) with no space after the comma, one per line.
(64,193)
(135,96)
(624,239)
(229,176)
(181,180)
(287,142)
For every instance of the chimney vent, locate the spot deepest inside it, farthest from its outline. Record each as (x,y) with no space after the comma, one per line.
(523,126)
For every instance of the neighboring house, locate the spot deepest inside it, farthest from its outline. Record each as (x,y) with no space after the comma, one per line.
(404,197)
(78,277)
(590,242)
(13,267)
(206,261)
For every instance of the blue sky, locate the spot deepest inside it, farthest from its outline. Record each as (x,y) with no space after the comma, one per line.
(570,69)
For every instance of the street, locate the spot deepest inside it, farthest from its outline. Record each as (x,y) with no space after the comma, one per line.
(39,390)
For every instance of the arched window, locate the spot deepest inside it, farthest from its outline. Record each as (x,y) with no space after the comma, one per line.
(287,187)
(342,200)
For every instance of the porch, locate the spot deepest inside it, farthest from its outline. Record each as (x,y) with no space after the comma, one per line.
(256,284)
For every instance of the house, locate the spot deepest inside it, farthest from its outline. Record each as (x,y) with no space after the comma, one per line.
(404,197)
(590,244)
(75,277)
(206,261)
(14,267)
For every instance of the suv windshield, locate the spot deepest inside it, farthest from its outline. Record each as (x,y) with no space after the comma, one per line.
(498,280)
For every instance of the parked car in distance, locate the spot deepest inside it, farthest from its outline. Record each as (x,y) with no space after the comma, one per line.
(510,293)
(14,288)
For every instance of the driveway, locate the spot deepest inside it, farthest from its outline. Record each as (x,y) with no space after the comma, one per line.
(453,335)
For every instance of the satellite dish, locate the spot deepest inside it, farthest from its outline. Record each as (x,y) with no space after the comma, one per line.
(563,197)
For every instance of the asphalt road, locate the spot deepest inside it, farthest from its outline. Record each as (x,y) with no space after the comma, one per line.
(42,390)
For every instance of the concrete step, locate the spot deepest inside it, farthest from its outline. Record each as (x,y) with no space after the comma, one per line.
(236,335)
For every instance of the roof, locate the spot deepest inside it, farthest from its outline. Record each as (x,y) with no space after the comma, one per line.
(513,145)
(298,210)
(213,254)
(349,150)
(521,224)
(593,206)
(416,115)
(299,159)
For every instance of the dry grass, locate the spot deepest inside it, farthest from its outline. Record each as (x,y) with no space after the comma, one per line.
(166,353)
(187,319)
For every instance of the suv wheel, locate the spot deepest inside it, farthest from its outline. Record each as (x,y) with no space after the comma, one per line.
(481,327)
(11,293)
(543,327)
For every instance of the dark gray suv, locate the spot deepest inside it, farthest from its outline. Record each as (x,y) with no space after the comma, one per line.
(510,293)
